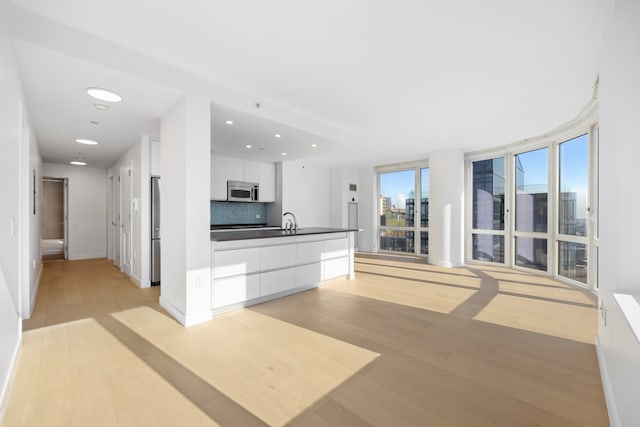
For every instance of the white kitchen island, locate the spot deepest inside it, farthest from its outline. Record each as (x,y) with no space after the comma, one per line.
(253,266)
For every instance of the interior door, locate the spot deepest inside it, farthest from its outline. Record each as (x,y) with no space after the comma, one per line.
(116,220)
(125,219)
(65,218)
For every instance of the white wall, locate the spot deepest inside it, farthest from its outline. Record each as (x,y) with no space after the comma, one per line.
(10,127)
(138,157)
(32,204)
(306,193)
(618,348)
(341,196)
(446,208)
(87,204)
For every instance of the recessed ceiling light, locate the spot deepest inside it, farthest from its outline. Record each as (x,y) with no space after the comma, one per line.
(247,146)
(78,163)
(284,154)
(228,122)
(86,141)
(314,145)
(103,94)
(277,135)
(101,106)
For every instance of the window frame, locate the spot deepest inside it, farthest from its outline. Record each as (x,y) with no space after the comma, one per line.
(416,228)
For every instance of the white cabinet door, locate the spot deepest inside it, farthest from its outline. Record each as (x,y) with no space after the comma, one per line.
(336,248)
(281,256)
(309,252)
(218,177)
(309,275)
(235,169)
(236,262)
(335,267)
(232,290)
(267,182)
(251,171)
(277,281)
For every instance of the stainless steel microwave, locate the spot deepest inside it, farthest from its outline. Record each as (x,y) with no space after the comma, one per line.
(240,191)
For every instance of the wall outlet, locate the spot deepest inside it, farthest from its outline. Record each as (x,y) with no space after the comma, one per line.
(257,216)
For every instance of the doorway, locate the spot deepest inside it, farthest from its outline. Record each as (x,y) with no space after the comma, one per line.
(54,219)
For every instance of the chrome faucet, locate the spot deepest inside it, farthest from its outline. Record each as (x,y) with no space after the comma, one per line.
(292,224)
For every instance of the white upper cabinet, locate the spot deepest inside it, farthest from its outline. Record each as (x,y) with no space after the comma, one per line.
(251,171)
(218,177)
(267,191)
(235,169)
(225,169)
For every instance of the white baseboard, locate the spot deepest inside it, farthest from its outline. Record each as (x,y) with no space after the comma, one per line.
(197,318)
(35,291)
(86,256)
(446,264)
(6,387)
(614,420)
(177,314)
(186,321)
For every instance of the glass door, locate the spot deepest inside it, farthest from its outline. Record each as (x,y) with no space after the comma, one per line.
(530,231)
(573,208)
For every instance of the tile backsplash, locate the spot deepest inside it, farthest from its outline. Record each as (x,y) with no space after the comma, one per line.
(238,213)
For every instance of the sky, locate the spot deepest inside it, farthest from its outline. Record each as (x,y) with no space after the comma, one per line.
(573,166)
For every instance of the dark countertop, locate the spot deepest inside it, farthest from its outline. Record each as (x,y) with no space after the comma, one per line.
(225,236)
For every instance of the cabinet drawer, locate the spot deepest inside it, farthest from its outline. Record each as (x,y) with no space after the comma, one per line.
(335,267)
(281,256)
(308,275)
(236,262)
(309,252)
(336,248)
(232,290)
(277,281)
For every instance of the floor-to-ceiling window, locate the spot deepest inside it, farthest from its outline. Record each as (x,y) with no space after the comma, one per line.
(531,191)
(531,208)
(424,211)
(403,211)
(488,210)
(573,206)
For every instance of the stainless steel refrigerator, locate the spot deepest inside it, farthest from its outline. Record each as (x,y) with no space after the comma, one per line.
(155,230)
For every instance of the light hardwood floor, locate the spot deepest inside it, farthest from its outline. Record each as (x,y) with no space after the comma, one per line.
(404,344)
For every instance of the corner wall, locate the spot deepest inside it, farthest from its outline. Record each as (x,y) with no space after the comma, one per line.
(618,347)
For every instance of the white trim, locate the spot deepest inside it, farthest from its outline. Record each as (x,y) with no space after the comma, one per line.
(6,387)
(614,419)
(88,256)
(173,310)
(197,318)
(35,291)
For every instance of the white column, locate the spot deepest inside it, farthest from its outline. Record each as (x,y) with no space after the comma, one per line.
(185,156)
(446,208)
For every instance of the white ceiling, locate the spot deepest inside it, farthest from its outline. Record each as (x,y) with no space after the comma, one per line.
(406,77)
(61,111)
(259,133)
